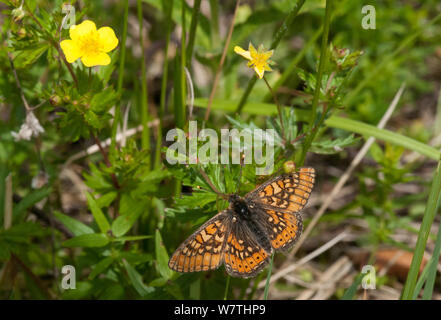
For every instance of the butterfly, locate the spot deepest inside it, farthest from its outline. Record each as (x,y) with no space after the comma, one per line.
(244,236)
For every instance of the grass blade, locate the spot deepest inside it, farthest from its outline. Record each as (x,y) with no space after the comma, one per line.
(382,134)
(423,234)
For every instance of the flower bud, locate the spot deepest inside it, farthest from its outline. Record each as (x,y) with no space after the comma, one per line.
(55,100)
(289,166)
(18,14)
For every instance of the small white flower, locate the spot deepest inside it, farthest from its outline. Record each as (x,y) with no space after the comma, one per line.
(31,127)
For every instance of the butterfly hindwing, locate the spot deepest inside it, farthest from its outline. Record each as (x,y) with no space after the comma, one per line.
(203,250)
(243,255)
(282,228)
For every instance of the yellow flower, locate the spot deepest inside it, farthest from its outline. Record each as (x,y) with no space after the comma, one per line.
(89,44)
(259,59)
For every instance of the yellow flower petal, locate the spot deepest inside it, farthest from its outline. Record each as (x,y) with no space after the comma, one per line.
(107,39)
(98,59)
(252,50)
(266,55)
(70,50)
(260,72)
(82,29)
(242,52)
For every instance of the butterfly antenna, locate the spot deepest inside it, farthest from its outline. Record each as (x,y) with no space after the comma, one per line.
(207,179)
(240,172)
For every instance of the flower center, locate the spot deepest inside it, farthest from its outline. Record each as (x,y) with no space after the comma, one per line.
(89,44)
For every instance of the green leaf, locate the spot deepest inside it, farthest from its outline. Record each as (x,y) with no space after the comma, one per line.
(352,290)
(382,134)
(130,211)
(103,101)
(5,254)
(100,219)
(333,146)
(21,233)
(87,241)
(28,201)
(136,280)
(76,227)
(100,267)
(423,234)
(131,238)
(29,55)
(162,257)
(106,199)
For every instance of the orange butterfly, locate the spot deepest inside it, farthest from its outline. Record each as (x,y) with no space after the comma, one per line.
(244,236)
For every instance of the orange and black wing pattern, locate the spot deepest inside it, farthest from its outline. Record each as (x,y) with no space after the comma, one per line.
(243,255)
(204,249)
(282,228)
(278,203)
(288,193)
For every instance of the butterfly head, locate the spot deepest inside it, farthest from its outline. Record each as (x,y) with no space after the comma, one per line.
(232,198)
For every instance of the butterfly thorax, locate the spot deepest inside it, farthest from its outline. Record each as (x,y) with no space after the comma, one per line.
(240,207)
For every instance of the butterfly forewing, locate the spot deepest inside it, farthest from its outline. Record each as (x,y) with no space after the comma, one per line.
(277,203)
(289,192)
(203,250)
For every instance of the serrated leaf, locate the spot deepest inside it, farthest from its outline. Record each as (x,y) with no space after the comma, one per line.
(136,280)
(333,146)
(76,227)
(162,257)
(99,216)
(103,101)
(29,55)
(196,200)
(87,241)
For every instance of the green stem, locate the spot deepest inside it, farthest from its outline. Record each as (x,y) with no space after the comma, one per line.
(268,278)
(193,27)
(279,110)
(183,55)
(321,69)
(168,10)
(214,23)
(145,137)
(122,61)
(227,286)
(293,64)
